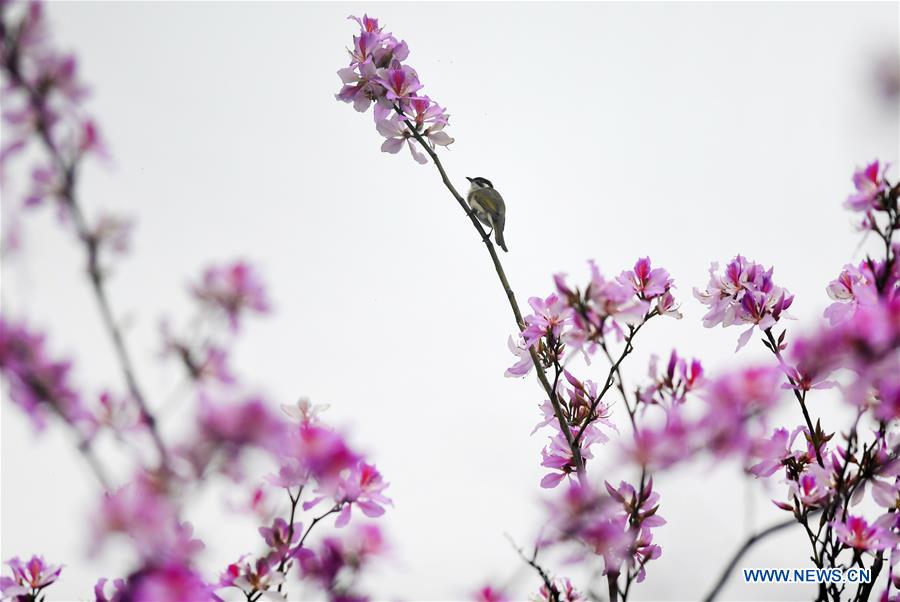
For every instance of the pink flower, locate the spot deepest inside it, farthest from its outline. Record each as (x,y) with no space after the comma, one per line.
(558,455)
(363,487)
(855,286)
(670,387)
(609,298)
(281,536)
(248,422)
(647,283)
(260,576)
(549,319)
(171,581)
(397,133)
(399,82)
(733,400)
(869,183)
(744,294)
(337,562)
(233,289)
(33,575)
(144,513)
(858,534)
(313,453)
(303,411)
(772,451)
(36,383)
(524,364)
(565,592)
(813,488)
(429,119)
(489,593)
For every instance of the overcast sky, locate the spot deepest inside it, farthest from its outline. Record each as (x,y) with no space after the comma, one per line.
(686,132)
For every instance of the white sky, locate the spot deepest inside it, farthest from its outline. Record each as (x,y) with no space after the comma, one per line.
(689,132)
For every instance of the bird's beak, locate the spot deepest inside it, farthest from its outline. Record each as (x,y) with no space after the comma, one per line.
(468,178)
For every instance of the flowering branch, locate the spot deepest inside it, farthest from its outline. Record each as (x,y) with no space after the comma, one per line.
(67,169)
(498,267)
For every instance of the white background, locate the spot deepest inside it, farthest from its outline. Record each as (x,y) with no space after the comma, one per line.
(687,132)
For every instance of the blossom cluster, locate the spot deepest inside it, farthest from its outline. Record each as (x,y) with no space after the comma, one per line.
(39,384)
(743,294)
(377,75)
(42,99)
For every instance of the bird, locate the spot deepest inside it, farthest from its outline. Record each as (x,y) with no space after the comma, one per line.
(488,206)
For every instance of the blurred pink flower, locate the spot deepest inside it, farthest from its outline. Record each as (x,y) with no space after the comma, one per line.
(233,289)
(869,183)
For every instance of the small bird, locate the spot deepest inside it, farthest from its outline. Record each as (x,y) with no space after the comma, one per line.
(488,206)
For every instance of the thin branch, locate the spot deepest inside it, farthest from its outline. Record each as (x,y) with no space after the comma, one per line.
(498,267)
(552,591)
(67,194)
(751,541)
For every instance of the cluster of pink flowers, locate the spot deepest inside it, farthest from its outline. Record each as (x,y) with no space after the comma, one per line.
(43,99)
(28,579)
(377,75)
(875,198)
(743,294)
(615,525)
(233,289)
(37,383)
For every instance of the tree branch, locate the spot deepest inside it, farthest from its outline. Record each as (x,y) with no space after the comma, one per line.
(751,541)
(510,296)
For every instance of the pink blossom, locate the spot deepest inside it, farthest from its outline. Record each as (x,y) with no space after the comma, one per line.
(37,383)
(813,488)
(248,422)
(772,451)
(170,581)
(144,513)
(259,576)
(281,536)
(304,411)
(524,365)
(233,289)
(558,454)
(743,294)
(565,592)
(646,282)
(336,562)
(549,319)
(733,400)
(399,82)
(854,286)
(397,133)
(363,487)
(869,183)
(670,387)
(857,533)
(489,593)
(32,575)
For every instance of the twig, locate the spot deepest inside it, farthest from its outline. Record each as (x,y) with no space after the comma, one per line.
(67,194)
(751,541)
(552,591)
(498,267)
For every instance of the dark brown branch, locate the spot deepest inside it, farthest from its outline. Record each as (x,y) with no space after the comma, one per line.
(498,267)
(751,541)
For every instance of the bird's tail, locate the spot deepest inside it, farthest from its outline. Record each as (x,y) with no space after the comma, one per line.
(498,234)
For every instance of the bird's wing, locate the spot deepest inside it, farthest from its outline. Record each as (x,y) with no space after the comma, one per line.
(491,200)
